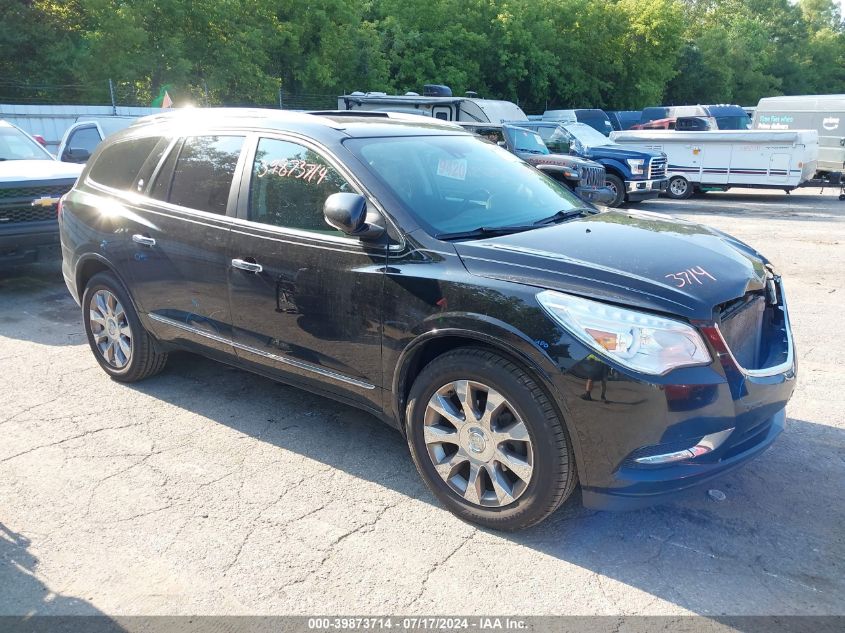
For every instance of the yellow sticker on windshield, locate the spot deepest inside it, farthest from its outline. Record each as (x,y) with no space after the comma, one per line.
(456,169)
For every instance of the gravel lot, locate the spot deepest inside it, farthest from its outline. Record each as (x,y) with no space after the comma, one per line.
(207,490)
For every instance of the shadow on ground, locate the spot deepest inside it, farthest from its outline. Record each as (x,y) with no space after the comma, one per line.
(775,545)
(23,594)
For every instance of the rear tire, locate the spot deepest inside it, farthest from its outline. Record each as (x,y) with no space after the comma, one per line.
(679,188)
(617,186)
(474,416)
(121,345)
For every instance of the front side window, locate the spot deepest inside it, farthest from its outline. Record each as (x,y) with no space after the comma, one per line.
(453,184)
(86,138)
(118,164)
(289,186)
(204,172)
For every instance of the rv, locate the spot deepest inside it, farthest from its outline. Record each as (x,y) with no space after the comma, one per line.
(437,102)
(823,113)
(720,159)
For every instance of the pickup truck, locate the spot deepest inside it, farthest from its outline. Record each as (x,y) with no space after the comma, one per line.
(632,174)
(31,183)
(585,177)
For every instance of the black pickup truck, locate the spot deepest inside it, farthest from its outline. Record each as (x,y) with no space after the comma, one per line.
(31,183)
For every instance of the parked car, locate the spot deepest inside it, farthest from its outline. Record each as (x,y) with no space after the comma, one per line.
(720,116)
(631,173)
(521,341)
(596,119)
(81,139)
(31,183)
(584,177)
(623,119)
(682,124)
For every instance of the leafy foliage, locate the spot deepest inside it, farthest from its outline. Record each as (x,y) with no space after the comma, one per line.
(617,54)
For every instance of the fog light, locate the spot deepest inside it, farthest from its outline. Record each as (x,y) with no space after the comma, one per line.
(705,445)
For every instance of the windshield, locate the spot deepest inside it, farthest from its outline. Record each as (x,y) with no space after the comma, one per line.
(15,145)
(526,141)
(733,122)
(453,184)
(586,135)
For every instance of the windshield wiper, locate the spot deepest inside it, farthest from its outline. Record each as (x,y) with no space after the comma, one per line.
(485,231)
(564,214)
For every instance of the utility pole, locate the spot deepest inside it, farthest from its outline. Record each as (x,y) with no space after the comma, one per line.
(111,94)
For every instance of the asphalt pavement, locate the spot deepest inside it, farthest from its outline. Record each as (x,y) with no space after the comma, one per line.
(209,490)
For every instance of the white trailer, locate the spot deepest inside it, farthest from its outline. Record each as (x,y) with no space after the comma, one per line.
(720,159)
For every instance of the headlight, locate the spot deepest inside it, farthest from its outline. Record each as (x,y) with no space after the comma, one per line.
(637,340)
(636,165)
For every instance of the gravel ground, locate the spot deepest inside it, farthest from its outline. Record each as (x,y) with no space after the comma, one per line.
(207,490)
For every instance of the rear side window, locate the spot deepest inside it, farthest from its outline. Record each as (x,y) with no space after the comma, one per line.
(204,172)
(118,164)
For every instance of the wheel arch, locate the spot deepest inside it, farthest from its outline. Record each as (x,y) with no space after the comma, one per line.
(432,344)
(91,264)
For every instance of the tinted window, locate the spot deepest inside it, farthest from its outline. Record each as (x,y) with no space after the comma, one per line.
(290,184)
(161,187)
(118,164)
(453,184)
(84,138)
(204,172)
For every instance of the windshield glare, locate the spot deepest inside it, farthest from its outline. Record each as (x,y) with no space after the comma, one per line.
(453,184)
(587,135)
(527,141)
(14,145)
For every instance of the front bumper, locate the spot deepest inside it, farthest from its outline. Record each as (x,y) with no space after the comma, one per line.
(626,423)
(650,487)
(28,242)
(645,189)
(596,196)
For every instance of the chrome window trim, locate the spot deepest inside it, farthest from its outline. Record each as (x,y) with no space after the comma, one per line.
(328,373)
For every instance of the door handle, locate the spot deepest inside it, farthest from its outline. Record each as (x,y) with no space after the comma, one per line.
(143,239)
(250,267)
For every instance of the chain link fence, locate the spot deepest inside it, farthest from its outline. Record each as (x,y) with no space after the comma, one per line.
(129,94)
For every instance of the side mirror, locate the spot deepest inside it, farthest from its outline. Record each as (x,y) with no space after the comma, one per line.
(76,155)
(347,212)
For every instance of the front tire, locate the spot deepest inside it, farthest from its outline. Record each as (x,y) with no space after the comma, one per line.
(121,345)
(487,440)
(679,188)
(617,186)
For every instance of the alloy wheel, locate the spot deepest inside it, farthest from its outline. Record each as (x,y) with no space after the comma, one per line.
(478,443)
(678,186)
(110,327)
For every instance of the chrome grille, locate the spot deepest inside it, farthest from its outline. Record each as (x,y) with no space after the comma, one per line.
(657,168)
(32,193)
(592,177)
(29,213)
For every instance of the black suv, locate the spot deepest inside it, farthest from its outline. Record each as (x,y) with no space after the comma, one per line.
(522,341)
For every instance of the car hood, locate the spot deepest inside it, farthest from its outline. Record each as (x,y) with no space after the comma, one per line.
(633,258)
(38,170)
(620,152)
